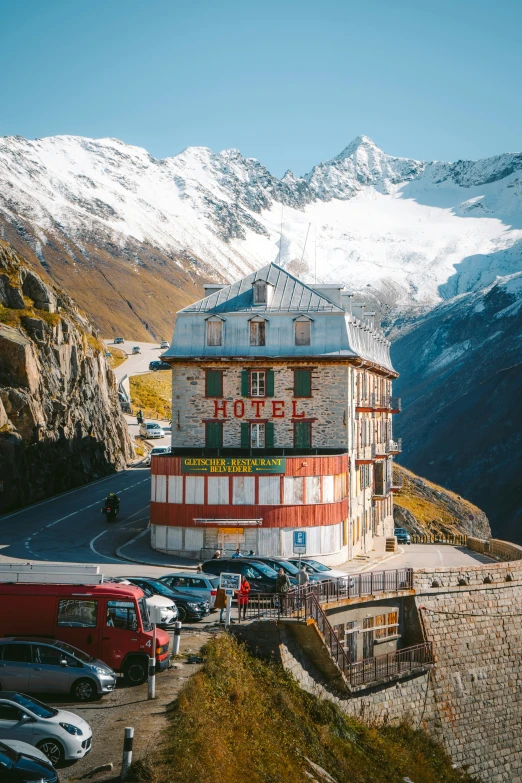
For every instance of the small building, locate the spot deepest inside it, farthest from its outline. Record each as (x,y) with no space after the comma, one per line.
(281,420)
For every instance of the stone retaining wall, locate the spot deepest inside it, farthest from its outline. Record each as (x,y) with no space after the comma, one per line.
(503,550)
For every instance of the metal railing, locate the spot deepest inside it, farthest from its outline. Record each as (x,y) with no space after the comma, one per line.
(394,446)
(457,539)
(392,664)
(307,604)
(395,404)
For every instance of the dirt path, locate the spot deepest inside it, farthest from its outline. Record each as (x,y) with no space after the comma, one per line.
(130,707)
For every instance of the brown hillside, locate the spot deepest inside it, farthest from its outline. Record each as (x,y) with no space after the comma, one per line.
(133,291)
(424,507)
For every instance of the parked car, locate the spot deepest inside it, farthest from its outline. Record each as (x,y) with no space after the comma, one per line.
(61,735)
(159,365)
(151,429)
(289,568)
(315,567)
(107,621)
(261,577)
(157,451)
(48,666)
(402,535)
(169,611)
(189,607)
(164,344)
(201,585)
(118,341)
(22,763)
(136,349)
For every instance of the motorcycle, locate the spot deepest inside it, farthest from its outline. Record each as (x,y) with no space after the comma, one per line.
(111,512)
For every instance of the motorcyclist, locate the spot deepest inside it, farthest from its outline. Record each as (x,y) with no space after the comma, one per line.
(112,501)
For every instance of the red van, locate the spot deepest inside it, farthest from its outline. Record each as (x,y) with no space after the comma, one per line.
(108,621)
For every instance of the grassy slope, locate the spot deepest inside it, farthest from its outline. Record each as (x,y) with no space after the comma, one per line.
(152,392)
(241,719)
(433,506)
(117,357)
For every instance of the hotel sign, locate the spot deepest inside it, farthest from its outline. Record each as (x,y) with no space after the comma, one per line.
(233,465)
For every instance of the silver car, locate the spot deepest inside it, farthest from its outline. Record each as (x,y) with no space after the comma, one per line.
(202,586)
(151,429)
(48,666)
(61,735)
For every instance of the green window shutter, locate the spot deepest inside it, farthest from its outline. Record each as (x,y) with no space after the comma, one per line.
(214,380)
(213,435)
(245,435)
(245,383)
(302,435)
(269,383)
(269,435)
(302,383)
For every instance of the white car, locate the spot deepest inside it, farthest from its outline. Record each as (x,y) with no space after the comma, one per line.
(61,735)
(315,567)
(151,429)
(169,610)
(136,349)
(164,344)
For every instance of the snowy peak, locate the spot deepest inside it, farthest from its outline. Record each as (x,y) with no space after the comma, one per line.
(361,164)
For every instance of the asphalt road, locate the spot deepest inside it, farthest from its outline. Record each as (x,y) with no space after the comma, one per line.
(432,556)
(136,364)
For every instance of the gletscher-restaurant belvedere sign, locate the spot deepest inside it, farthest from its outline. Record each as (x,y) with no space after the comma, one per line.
(233,464)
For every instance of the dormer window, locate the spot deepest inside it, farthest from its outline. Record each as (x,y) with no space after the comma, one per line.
(214,331)
(258,331)
(262,292)
(302,330)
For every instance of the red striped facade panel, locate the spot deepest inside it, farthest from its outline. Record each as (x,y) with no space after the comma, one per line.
(177,515)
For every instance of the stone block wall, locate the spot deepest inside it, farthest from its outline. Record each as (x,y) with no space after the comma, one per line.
(328,405)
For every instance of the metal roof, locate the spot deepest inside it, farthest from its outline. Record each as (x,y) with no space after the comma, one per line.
(289,294)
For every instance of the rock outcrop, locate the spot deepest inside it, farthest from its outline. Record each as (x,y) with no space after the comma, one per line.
(423,507)
(60,420)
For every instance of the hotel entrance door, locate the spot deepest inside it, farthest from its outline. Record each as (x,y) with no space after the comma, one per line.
(230,539)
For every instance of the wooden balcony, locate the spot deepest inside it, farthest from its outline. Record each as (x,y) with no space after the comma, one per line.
(365,455)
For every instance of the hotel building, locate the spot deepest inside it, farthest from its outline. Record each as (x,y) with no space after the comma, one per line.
(281,420)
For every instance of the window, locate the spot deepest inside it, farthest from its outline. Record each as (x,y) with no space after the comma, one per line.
(302,332)
(218,490)
(257,436)
(258,383)
(269,490)
(194,489)
(19,653)
(214,332)
(313,489)
(302,383)
(122,614)
(293,488)
(214,434)
(328,489)
(302,435)
(260,292)
(214,383)
(73,613)
(8,712)
(257,332)
(386,625)
(52,656)
(243,490)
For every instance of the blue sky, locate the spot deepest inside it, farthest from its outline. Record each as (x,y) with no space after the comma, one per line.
(288,82)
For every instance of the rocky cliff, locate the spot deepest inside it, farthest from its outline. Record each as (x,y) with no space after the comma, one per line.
(423,507)
(60,421)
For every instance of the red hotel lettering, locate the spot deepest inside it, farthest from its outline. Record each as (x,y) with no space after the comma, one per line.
(222,408)
(278,412)
(239,409)
(256,404)
(295,414)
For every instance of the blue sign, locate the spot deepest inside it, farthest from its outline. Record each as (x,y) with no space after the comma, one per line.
(299,542)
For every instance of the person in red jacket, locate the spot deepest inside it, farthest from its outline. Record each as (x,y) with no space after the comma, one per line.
(242,598)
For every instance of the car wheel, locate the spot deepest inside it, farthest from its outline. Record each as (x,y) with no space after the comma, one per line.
(84,690)
(182,614)
(137,670)
(53,750)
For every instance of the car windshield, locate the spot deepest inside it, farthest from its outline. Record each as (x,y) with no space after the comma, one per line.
(9,753)
(318,566)
(74,651)
(38,707)
(290,568)
(265,570)
(145,620)
(153,426)
(158,588)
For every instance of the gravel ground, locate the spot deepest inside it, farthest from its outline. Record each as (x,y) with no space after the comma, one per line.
(130,707)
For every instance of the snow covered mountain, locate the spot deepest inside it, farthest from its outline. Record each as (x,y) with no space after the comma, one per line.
(132,237)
